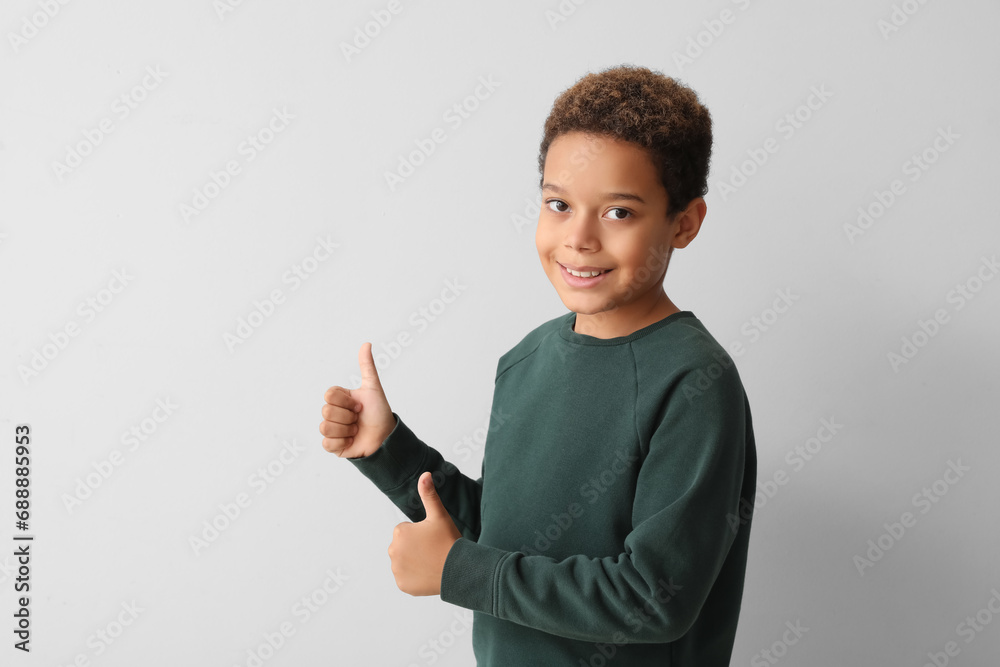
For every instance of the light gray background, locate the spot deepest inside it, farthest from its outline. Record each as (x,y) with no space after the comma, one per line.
(455,219)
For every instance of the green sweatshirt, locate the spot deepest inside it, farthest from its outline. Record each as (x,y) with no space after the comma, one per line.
(611,522)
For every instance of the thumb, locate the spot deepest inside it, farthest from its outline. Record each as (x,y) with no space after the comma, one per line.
(369,373)
(429,495)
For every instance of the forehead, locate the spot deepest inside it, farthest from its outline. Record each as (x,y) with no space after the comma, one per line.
(578,160)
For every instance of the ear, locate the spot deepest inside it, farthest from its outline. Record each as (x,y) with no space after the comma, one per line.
(688,222)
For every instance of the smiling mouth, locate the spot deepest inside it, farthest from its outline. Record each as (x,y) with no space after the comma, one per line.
(580,282)
(590,273)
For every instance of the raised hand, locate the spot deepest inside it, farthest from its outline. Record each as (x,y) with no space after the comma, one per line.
(356,421)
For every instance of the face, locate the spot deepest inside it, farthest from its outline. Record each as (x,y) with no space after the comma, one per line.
(604,207)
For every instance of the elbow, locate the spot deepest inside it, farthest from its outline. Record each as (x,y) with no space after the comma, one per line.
(661,620)
(677,627)
(670,628)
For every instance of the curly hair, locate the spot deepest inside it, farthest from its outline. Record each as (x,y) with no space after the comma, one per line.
(642,106)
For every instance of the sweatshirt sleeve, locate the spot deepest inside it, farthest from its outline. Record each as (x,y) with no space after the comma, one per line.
(396,466)
(652,592)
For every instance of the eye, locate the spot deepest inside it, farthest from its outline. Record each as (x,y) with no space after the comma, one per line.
(549,203)
(626,213)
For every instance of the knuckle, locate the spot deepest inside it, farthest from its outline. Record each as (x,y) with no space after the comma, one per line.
(334,446)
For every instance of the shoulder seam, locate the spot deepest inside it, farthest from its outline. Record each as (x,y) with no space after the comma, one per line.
(515,363)
(635,397)
(527,354)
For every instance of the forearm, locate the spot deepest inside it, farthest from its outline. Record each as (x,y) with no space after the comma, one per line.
(397,465)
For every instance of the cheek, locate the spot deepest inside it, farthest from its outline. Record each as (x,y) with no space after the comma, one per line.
(635,268)
(646,256)
(543,242)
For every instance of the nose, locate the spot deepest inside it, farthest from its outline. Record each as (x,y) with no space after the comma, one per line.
(582,231)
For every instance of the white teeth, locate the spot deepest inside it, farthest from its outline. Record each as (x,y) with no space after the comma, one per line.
(585,274)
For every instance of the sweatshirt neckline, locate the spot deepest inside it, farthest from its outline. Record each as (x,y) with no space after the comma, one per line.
(569,320)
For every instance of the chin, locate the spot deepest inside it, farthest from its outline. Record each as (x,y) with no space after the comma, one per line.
(582,305)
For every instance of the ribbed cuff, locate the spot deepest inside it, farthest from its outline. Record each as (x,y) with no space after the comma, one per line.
(471,576)
(400,457)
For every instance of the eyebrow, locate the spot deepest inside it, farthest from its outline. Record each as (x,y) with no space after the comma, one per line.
(609,195)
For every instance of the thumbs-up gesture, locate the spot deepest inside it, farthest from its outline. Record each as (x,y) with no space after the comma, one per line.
(418,550)
(356,421)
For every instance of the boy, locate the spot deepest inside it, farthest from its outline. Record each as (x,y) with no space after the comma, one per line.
(612,518)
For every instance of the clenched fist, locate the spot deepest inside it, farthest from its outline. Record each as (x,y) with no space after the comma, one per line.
(418,551)
(356,421)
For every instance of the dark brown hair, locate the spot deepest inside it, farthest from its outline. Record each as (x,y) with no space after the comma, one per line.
(643,106)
